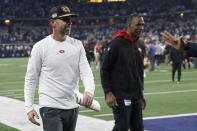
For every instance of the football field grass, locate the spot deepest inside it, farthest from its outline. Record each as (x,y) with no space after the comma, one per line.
(6,128)
(163,96)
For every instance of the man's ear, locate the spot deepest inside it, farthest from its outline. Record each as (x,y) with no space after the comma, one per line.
(52,22)
(128,25)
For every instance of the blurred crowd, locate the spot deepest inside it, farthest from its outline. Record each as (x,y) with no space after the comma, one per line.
(96,24)
(103,31)
(16,50)
(96,28)
(37,8)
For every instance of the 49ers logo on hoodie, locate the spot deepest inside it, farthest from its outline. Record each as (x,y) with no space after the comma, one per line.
(61,51)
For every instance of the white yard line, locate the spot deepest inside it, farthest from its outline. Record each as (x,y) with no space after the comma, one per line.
(36,99)
(5,64)
(158,93)
(99,85)
(11,82)
(99,97)
(11,73)
(100,115)
(13,95)
(155,81)
(17,97)
(13,90)
(169,116)
(86,111)
(163,73)
(10,93)
(159,81)
(155,117)
(23,66)
(169,73)
(170,92)
(6,93)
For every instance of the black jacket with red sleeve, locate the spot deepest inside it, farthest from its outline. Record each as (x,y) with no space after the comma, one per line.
(122,68)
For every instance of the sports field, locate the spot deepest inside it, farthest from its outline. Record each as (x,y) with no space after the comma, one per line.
(163,96)
(6,128)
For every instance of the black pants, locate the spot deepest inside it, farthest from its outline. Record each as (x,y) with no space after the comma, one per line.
(158,59)
(152,63)
(58,119)
(176,66)
(128,117)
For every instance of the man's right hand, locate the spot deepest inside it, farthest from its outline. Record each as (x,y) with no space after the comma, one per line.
(31,115)
(111,100)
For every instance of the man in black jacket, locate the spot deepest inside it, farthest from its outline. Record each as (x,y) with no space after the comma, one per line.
(176,60)
(122,76)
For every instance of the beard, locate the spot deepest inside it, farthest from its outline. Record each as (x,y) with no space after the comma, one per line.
(136,34)
(64,31)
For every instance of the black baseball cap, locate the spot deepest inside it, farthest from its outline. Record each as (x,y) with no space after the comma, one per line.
(60,12)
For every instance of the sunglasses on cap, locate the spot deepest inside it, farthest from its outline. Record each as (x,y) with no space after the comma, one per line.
(66,19)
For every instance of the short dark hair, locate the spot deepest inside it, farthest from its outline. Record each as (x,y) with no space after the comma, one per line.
(132,16)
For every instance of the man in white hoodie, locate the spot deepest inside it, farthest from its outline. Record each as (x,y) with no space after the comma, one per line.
(57,62)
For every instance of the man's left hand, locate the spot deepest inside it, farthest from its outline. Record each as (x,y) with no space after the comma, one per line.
(87,99)
(143,103)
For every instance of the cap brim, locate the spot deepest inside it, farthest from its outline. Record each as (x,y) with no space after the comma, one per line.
(66,15)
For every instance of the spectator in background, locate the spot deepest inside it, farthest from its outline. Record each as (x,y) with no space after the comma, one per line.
(58,61)
(189,62)
(103,49)
(158,53)
(97,47)
(142,47)
(87,50)
(167,54)
(122,76)
(176,60)
(151,56)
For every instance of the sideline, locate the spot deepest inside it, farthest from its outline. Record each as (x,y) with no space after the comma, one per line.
(12,114)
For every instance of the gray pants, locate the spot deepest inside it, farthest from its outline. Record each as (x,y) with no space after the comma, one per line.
(58,119)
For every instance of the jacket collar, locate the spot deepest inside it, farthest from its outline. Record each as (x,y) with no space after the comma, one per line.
(126,36)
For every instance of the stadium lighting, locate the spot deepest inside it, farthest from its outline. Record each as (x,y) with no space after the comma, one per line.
(100,1)
(111,21)
(7,22)
(181,15)
(95,1)
(79,21)
(116,0)
(97,21)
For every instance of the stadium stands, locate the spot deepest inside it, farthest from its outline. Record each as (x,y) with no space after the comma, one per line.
(97,21)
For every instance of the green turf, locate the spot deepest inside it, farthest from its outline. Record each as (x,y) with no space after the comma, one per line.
(6,128)
(12,75)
